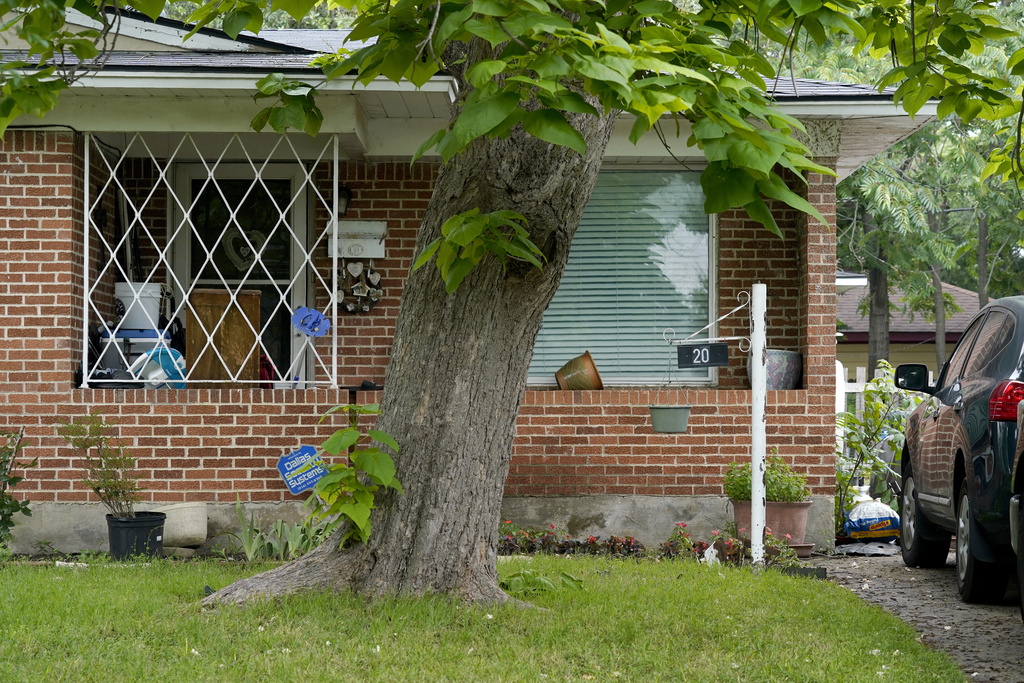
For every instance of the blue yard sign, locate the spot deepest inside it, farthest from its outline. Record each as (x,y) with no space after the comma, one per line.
(296,475)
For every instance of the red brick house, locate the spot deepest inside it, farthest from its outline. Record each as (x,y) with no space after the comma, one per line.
(148,172)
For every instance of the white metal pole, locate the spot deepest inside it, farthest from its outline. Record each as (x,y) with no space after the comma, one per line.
(335,283)
(759,399)
(86,284)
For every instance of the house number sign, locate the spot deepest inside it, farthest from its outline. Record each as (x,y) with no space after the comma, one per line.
(705,355)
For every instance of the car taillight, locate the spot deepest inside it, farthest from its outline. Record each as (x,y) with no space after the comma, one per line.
(1002,405)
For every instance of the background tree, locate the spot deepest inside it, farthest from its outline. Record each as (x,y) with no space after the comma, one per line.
(541,83)
(919,214)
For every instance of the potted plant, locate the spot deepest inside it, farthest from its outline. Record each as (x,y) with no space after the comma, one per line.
(788,500)
(110,473)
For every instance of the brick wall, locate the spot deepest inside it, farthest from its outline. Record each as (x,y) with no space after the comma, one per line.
(214,444)
(576,443)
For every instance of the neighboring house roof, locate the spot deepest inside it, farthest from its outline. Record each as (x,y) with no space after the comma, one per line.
(904,326)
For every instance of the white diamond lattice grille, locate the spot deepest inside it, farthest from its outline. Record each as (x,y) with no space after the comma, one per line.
(199,254)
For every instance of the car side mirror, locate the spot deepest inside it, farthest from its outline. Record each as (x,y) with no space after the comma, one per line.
(913,377)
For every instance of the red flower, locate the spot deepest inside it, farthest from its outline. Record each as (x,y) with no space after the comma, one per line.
(552,526)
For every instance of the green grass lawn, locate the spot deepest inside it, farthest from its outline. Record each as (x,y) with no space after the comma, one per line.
(634,621)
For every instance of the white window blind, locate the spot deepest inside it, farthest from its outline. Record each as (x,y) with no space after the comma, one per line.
(639,264)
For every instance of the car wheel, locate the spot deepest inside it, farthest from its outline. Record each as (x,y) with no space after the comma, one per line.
(977,581)
(921,543)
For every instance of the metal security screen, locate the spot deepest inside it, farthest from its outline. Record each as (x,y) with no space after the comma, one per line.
(206,261)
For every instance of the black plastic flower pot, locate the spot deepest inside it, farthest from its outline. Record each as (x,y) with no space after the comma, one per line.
(138,536)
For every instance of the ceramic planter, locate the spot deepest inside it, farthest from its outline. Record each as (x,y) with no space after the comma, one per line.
(670,419)
(785,369)
(579,374)
(186,525)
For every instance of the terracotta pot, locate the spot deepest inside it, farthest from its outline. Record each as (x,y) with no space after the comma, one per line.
(781,518)
(579,374)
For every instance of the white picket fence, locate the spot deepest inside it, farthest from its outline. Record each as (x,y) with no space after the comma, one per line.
(850,396)
(845,388)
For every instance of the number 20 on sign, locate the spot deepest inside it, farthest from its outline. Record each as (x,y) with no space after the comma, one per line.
(706,355)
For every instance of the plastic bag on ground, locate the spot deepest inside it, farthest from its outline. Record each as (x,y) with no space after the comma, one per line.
(872,520)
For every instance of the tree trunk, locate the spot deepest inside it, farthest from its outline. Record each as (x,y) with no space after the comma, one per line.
(878,302)
(982,259)
(940,301)
(455,381)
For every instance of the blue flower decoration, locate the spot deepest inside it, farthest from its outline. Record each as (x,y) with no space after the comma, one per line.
(311,321)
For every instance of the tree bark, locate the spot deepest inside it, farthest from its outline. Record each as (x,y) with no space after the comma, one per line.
(939,300)
(878,301)
(455,380)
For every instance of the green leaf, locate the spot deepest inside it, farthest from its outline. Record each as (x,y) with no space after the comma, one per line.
(429,143)
(384,438)
(297,9)
(567,100)
(760,212)
(341,440)
(776,189)
(550,125)
(726,188)
(291,115)
(151,8)
(271,84)
(802,7)
(376,463)
(746,153)
(481,72)
(1015,63)
(237,20)
(482,114)
(427,254)
(457,273)
(359,513)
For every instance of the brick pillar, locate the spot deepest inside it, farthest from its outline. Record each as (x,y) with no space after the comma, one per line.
(40,268)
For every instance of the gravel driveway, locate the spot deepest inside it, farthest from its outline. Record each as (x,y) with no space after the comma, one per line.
(986,640)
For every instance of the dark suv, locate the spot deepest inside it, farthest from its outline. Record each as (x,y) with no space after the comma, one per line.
(959,463)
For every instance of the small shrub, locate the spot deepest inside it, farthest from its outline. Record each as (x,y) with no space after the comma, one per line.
(679,544)
(879,427)
(10,450)
(109,467)
(282,541)
(529,582)
(514,540)
(781,483)
(733,548)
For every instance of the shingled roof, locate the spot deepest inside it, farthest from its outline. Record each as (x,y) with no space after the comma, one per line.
(903,326)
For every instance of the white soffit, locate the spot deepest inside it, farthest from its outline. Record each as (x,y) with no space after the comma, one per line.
(387,120)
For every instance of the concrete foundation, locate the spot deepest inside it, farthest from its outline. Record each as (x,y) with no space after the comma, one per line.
(649,519)
(76,527)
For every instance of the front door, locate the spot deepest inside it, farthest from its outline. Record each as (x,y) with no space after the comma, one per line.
(244,235)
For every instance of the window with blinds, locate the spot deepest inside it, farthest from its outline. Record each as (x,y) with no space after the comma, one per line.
(640,263)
